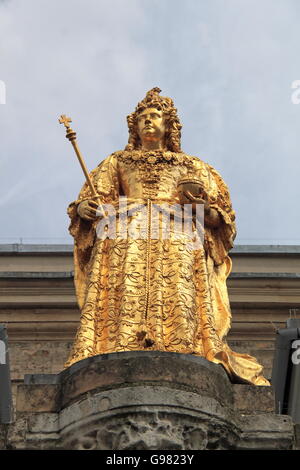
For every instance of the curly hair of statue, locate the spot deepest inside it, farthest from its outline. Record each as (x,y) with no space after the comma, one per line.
(161,103)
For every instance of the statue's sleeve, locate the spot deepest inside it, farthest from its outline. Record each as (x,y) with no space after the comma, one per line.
(219,240)
(105,181)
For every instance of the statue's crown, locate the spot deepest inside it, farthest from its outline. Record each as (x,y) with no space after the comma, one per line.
(154,100)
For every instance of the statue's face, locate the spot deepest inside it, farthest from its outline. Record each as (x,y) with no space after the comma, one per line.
(151,125)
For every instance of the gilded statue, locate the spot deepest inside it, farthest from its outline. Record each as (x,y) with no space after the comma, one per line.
(157,292)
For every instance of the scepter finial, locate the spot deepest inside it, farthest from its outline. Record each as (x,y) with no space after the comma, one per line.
(70,134)
(65,121)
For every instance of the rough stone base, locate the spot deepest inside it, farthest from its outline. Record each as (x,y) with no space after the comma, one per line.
(144,400)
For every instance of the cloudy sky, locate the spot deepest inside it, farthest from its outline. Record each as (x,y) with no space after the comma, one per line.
(229,65)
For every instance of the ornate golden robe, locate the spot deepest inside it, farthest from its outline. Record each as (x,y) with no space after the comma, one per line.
(155,293)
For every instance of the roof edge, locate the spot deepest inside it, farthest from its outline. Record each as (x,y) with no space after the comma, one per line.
(68,248)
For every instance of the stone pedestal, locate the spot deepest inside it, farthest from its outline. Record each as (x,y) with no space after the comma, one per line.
(144,400)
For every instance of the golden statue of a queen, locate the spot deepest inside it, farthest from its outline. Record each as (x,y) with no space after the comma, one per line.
(142,282)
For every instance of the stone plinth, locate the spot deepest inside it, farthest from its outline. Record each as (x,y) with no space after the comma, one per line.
(144,400)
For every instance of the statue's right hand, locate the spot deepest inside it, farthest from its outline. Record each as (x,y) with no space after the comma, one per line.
(88,210)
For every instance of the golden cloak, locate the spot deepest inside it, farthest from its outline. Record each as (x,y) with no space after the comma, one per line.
(155,293)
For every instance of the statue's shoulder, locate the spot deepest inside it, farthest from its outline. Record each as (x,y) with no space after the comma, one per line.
(222,186)
(208,170)
(107,162)
(217,176)
(213,170)
(113,157)
(197,162)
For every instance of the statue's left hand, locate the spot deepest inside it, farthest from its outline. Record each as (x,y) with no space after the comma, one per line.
(197,200)
(211,216)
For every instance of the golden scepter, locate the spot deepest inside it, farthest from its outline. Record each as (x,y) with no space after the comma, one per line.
(71,135)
